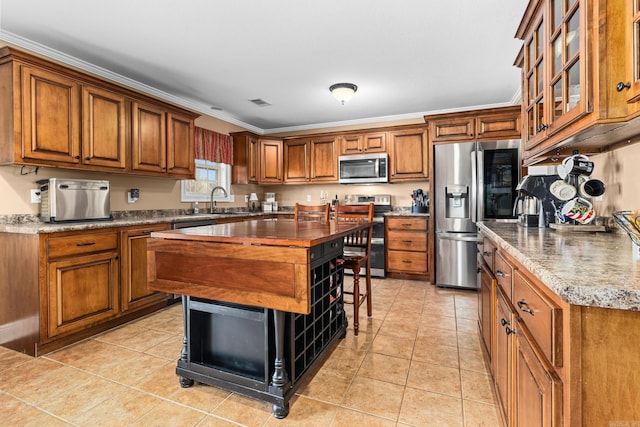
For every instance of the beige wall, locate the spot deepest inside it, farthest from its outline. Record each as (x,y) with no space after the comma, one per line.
(620,171)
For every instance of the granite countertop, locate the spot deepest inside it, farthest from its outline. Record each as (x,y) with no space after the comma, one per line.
(121,219)
(589,269)
(405,212)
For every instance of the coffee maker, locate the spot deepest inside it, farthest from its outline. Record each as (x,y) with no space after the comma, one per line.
(534,205)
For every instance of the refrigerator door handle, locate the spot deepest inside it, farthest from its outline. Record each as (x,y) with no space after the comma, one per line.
(474,186)
(451,236)
(480,182)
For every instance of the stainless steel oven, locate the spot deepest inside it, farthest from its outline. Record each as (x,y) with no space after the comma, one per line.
(382,204)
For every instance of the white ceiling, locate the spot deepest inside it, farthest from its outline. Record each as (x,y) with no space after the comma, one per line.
(408,57)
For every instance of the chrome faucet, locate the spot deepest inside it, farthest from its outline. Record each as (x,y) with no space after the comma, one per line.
(213,203)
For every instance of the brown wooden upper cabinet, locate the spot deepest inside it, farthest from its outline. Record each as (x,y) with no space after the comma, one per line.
(576,63)
(245,158)
(54,116)
(310,160)
(408,155)
(479,125)
(270,158)
(374,142)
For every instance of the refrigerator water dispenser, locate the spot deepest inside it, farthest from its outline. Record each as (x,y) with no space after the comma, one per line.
(457,201)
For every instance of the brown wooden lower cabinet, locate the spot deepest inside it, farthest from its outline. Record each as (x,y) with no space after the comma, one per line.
(135,292)
(555,363)
(62,287)
(406,246)
(538,390)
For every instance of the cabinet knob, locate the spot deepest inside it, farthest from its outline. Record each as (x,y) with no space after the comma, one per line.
(509,331)
(504,322)
(77,157)
(87,158)
(500,273)
(621,86)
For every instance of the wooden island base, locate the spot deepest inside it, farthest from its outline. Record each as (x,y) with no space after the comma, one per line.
(266,335)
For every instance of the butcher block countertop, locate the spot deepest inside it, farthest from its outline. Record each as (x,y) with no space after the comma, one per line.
(587,269)
(262,263)
(273,232)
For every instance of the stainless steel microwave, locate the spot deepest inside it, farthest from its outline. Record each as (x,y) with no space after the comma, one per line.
(363,168)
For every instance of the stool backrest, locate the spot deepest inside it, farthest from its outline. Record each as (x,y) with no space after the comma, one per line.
(312,212)
(359,213)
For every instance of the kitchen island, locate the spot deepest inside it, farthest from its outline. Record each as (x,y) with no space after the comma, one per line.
(559,315)
(262,302)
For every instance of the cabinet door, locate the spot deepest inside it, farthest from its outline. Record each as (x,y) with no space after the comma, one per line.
(351,144)
(533,84)
(634,42)
(324,160)
(270,161)
(148,140)
(135,293)
(246,150)
(538,394)
(81,292)
(408,155)
(498,126)
(50,116)
(375,142)
(453,129)
(103,128)
(296,160)
(180,146)
(502,357)
(485,308)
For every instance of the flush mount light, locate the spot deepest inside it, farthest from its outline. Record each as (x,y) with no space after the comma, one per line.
(343,91)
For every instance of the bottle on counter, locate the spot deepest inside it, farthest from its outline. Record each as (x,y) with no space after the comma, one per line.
(196,208)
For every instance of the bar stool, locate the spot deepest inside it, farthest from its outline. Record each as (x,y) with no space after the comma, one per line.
(312,212)
(357,255)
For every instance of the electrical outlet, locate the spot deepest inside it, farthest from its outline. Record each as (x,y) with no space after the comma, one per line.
(35,196)
(308,197)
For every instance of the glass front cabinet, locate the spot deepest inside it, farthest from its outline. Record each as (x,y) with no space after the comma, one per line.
(574,54)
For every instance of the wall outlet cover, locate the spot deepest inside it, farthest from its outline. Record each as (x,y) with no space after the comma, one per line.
(35,196)
(308,197)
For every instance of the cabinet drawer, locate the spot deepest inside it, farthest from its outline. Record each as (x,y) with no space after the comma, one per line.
(81,244)
(542,317)
(503,273)
(409,262)
(488,252)
(407,241)
(407,223)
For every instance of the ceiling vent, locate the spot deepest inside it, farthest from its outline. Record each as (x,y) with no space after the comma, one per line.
(260,102)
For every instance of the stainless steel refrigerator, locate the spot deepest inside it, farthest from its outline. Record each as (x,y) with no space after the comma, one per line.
(474,181)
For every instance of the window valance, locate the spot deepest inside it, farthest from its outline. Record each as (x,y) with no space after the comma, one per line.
(213,146)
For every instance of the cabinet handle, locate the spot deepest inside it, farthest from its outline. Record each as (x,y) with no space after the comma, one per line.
(77,157)
(406,261)
(621,86)
(406,225)
(335,245)
(87,158)
(509,331)
(542,127)
(500,273)
(407,241)
(504,322)
(485,253)
(523,306)
(86,244)
(470,134)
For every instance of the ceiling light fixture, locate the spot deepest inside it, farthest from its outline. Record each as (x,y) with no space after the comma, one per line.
(343,91)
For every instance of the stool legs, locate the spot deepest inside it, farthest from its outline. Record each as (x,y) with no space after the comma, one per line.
(356,300)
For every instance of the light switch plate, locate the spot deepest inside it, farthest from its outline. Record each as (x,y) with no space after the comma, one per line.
(308,197)
(35,196)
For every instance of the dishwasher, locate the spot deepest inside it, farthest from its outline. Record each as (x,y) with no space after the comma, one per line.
(186,224)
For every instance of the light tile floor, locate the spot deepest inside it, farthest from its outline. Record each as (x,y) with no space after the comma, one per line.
(416,362)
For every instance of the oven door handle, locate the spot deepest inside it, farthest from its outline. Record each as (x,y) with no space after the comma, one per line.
(377,240)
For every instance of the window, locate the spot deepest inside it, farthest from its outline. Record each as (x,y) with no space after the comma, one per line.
(208,175)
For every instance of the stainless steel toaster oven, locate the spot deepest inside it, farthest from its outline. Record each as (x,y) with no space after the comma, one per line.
(64,200)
